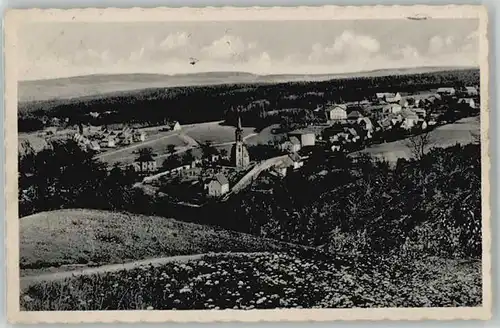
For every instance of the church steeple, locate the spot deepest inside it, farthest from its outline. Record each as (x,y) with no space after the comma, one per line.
(239,152)
(239,131)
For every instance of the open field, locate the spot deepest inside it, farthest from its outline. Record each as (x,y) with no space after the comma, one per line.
(265,136)
(37,140)
(265,281)
(215,133)
(190,137)
(158,142)
(65,239)
(447,135)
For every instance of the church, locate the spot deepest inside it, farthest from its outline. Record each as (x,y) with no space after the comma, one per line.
(239,152)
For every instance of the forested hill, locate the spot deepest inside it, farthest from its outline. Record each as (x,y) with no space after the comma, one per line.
(195,104)
(102,84)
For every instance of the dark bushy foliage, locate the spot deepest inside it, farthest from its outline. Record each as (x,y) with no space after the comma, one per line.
(63,175)
(431,206)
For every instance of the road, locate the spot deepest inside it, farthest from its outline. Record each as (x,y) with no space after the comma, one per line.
(254,172)
(136,145)
(25,282)
(184,129)
(182,134)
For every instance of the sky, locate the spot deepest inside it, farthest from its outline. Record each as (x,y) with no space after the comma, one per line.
(52,50)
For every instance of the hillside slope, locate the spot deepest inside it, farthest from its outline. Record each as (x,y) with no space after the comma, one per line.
(64,239)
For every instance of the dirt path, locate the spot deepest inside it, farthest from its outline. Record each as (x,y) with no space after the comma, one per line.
(25,282)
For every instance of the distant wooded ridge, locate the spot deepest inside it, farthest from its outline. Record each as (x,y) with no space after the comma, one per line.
(212,102)
(101,84)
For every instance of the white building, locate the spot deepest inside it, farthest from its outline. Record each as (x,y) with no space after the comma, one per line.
(410,119)
(468,101)
(218,186)
(94,146)
(175,126)
(446,91)
(471,91)
(394,99)
(139,136)
(336,112)
(391,109)
(292,145)
(294,160)
(306,138)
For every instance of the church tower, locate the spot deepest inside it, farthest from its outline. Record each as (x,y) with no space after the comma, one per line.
(239,152)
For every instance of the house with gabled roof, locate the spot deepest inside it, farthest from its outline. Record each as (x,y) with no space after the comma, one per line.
(139,136)
(410,119)
(294,160)
(467,101)
(393,99)
(94,145)
(218,185)
(291,145)
(336,112)
(446,91)
(471,91)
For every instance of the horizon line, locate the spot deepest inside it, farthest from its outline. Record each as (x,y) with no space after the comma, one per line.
(257,74)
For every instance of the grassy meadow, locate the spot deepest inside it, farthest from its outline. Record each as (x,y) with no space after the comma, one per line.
(50,240)
(265,281)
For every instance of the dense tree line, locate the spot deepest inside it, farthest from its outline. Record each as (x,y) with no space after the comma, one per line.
(261,104)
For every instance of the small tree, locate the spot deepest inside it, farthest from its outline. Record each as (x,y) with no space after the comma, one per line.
(418,144)
(170,149)
(171,162)
(145,154)
(188,157)
(208,150)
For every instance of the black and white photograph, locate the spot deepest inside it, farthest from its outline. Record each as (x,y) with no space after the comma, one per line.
(253,164)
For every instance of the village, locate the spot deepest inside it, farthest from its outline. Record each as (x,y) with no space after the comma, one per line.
(199,172)
(342,128)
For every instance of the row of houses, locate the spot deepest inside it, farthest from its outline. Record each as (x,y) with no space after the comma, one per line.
(109,139)
(467,91)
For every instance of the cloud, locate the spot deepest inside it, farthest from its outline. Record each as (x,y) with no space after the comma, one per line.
(405,53)
(348,45)
(174,41)
(91,56)
(228,47)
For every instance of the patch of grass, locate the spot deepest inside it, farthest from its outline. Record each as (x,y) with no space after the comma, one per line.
(68,237)
(215,133)
(461,132)
(265,281)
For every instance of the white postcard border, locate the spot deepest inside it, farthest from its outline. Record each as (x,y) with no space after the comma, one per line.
(15,17)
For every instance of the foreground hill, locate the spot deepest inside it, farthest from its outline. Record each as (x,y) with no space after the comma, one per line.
(62,240)
(82,86)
